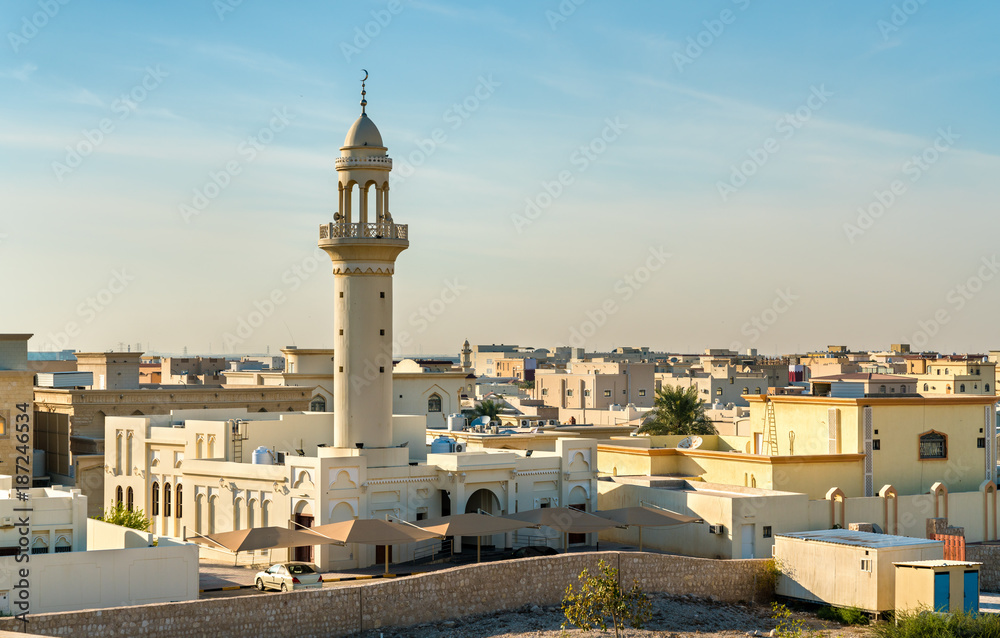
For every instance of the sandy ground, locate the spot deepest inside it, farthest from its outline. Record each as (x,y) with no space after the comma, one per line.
(673,617)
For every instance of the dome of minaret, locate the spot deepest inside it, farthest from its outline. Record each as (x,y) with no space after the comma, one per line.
(363,133)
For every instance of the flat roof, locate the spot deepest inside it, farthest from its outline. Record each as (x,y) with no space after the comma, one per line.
(859,539)
(936,563)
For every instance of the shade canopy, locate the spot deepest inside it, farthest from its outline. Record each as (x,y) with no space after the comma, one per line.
(371,531)
(255,538)
(647,517)
(564,519)
(471,525)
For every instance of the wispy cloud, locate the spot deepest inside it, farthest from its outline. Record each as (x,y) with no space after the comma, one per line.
(83,96)
(21,73)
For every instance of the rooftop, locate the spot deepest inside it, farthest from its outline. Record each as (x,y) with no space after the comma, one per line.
(858,539)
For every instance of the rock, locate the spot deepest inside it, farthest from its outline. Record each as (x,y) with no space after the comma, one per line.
(448,623)
(535,609)
(772,633)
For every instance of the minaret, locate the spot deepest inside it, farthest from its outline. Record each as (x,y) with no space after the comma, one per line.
(363,243)
(466,356)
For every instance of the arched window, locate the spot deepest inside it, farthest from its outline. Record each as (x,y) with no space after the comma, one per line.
(961,388)
(167,498)
(881,389)
(129,499)
(237,513)
(925,387)
(251,513)
(746,390)
(118,453)
(434,403)
(756,390)
(317,405)
(902,389)
(987,387)
(128,454)
(264,513)
(155,501)
(933,445)
(718,392)
(179,500)
(118,496)
(3,426)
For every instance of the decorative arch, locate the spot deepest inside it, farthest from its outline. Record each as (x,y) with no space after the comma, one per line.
(238,513)
(167,499)
(129,499)
(129,442)
(178,500)
(154,500)
(838,501)
(265,513)
(484,499)
(940,493)
(304,480)
(118,452)
(251,513)
(989,490)
(343,481)
(39,546)
(118,495)
(579,495)
(578,462)
(888,493)
(318,404)
(213,506)
(342,511)
(199,513)
(303,508)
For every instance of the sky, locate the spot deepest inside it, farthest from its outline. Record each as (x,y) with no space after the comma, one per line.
(777,175)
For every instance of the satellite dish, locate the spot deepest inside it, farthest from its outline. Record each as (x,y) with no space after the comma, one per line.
(695,442)
(483,420)
(877,529)
(685,443)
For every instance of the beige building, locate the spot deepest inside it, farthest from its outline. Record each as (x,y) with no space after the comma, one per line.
(595,385)
(16,406)
(955,375)
(192,370)
(724,384)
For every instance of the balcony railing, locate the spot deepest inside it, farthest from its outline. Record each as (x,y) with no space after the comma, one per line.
(336,230)
(379,161)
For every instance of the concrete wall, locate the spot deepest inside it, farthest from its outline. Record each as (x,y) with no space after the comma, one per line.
(470,590)
(103,578)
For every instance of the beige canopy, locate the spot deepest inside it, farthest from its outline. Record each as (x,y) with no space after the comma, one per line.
(647,517)
(564,519)
(372,531)
(248,540)
(477,525)
(643,516)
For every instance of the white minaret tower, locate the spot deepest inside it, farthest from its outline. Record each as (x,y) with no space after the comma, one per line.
(466,356)
(363,243)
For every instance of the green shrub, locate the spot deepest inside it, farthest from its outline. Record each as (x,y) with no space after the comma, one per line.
(118,514)
(600,599)
(845,616)
(788,627)
(929,625)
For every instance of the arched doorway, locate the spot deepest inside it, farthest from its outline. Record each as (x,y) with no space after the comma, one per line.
(303,518)
(487,501)
(578,500)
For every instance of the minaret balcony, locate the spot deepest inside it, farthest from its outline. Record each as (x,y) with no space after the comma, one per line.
(339,230)
(383,162)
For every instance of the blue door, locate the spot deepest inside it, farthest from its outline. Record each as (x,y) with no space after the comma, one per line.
(971,600)
(942,591)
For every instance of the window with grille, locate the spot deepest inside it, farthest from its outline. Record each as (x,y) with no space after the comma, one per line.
(933,445)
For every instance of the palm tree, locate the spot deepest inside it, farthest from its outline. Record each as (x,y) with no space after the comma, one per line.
(488,407)
(678,411)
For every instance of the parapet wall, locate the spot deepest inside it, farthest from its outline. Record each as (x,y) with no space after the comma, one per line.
(463,591)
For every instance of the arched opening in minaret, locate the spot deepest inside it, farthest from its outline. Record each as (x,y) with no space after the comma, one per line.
(353,201)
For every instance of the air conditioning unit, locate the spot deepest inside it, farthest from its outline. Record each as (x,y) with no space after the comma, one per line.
(460,447)
(525,423)
(7,521)
(716,529)
(280,458)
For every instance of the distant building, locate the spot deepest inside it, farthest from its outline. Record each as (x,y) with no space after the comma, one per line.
(16,404)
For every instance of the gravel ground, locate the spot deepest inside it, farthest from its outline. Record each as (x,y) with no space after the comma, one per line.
(673,617)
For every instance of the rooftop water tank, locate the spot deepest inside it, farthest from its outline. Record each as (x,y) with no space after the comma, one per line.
(262,456)
(456,422)
(442,445)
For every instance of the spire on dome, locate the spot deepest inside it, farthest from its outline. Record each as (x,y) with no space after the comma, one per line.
(364,102)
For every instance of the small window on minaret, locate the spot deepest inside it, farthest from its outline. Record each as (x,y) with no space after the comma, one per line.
(381,295)
(341,294)
(341,368)
(341,331)
(381,332)
(381,368)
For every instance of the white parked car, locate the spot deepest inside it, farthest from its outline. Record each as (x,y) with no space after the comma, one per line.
(289,576)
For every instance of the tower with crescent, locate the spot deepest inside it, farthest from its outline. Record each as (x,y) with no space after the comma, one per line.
(363,243)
